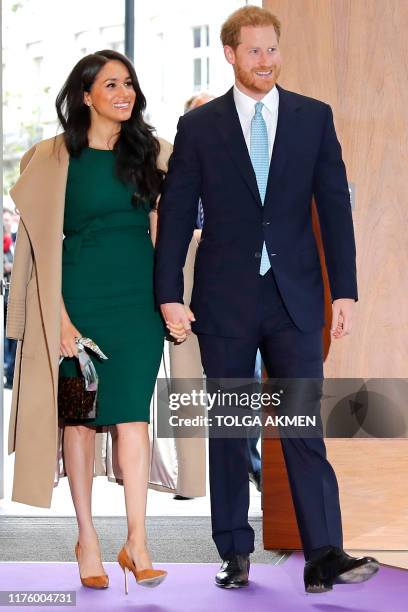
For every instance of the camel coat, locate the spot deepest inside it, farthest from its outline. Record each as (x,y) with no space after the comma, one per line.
(34,320)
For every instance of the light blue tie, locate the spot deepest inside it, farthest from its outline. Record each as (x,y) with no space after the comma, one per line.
(259,152)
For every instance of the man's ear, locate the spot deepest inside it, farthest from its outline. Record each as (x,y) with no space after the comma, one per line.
(229,54)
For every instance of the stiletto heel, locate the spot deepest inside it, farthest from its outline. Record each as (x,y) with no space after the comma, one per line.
(92,582)
(145,577)
(125,571)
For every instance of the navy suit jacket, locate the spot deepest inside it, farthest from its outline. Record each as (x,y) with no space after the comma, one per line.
(211,160)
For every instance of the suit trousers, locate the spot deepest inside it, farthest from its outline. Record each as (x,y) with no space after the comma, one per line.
(287,352)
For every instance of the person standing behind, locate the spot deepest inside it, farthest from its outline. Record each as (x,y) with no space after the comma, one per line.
(185,363)
(9,224)
(258,281)
(10,344)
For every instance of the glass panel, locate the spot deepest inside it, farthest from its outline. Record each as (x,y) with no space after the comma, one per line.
(197,73)
(196,37)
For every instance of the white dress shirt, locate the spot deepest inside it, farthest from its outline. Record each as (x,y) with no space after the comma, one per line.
(245,106)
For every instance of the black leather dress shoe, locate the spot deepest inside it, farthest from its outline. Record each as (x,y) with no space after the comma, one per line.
(255,478)
(337,567)
(233,572)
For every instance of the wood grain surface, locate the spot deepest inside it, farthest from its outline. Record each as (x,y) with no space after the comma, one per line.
(353,54)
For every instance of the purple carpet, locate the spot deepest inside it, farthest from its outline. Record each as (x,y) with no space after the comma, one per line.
(190,587)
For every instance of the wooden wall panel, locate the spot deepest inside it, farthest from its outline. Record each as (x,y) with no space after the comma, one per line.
(353,54)
(373,494)
(279,522)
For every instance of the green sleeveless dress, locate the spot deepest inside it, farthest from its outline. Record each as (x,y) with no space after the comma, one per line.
(107,286)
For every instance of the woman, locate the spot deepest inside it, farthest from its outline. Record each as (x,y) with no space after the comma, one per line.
(107,168)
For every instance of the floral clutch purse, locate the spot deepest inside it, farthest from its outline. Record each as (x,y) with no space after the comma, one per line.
(77,396)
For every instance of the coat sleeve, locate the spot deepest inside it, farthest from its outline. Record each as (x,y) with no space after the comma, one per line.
(166,149)
(334,210)
(20,275)
(163,164)
(177,216)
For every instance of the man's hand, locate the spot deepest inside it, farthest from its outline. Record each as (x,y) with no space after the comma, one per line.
(178,319)
(342,320)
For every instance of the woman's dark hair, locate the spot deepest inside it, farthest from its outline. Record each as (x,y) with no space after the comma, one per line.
(136,148)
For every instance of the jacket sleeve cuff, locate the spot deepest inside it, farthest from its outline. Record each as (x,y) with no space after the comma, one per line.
(169,299)
(16,312)
(345,296)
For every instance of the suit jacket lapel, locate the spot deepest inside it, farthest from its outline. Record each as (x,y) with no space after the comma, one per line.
(229,127)
(285,134)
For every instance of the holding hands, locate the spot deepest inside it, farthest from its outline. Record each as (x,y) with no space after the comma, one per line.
(178,319)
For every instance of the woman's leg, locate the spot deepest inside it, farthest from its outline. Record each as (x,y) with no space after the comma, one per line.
(134,462)
(79,453)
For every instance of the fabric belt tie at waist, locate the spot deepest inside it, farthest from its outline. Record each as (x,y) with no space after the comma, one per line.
(73,242)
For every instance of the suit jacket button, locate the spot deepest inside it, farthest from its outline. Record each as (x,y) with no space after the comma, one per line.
(265,223)
(258,255)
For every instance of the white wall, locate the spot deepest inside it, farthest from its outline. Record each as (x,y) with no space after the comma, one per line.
(43,39)
(165,63)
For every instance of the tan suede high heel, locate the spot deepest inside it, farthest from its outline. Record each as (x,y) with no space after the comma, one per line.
(92,582)
(144,577)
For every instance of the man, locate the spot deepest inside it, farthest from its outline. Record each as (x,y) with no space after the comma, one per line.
(258,281)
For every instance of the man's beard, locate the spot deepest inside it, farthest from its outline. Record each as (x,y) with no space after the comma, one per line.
(256,84)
